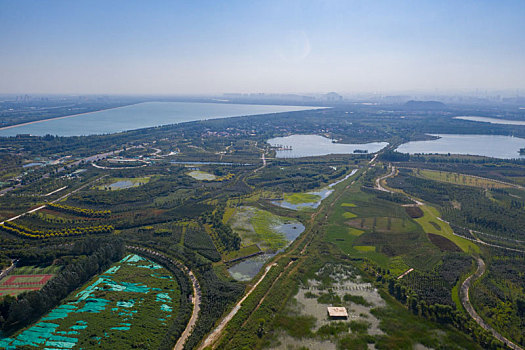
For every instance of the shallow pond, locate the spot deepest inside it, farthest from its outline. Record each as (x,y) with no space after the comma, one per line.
(290,230)
(120,185)
(315,145)
(28,165)
(496,146)
(248,268)
(322,193)
(491,120)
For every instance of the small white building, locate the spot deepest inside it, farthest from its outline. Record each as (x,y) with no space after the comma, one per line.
(337,312)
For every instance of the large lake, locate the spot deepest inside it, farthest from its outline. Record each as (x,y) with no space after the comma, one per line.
(496,146)
(142,115)
(315,145)
(491,120)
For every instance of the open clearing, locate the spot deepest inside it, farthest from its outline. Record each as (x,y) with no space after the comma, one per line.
(201,175)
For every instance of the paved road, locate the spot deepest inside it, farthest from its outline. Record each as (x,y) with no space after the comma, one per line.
(465,300)
(56,200)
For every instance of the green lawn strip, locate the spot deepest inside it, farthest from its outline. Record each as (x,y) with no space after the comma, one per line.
(430,215)
(35,270)
(299,198)
(365,248)
(349,215)
(244,251)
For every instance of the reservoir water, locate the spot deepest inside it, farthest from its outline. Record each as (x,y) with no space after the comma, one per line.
(142,115)
(495,146)
(315,145)
(491,120)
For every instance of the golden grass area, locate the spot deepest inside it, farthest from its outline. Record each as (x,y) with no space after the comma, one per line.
(460,179)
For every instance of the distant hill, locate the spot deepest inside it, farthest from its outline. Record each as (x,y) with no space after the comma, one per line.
(425,105)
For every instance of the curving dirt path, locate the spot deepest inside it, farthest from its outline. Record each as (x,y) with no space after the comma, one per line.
(194,315)
(379,179)
(196,301)
(216,333)
(465,301)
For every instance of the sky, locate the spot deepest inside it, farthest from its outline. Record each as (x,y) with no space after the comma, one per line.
(274,46)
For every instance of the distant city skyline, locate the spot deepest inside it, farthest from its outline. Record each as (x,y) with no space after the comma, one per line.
(208,47)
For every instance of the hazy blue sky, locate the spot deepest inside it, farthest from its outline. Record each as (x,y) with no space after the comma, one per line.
(193,46)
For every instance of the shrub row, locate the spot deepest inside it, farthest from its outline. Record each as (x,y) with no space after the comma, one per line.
(26,232)
(89,213)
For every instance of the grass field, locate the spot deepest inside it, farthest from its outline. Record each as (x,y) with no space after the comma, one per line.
(381,231)
(228,212)
(430,219)
(298,198)
(459,179)
(241,253)
(35,270)
(257,226)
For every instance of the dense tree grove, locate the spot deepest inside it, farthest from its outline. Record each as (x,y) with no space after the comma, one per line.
(444,314)
(229,239)
(466,206)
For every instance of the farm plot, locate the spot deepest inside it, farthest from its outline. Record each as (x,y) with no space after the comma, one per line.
(128,306)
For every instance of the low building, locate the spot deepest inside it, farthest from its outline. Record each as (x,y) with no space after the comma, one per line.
(337,313)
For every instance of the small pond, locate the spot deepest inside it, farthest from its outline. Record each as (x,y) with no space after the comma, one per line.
(248,268)
(495,146)
(120,185)
(322,194)
(315,145)
(29,165)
